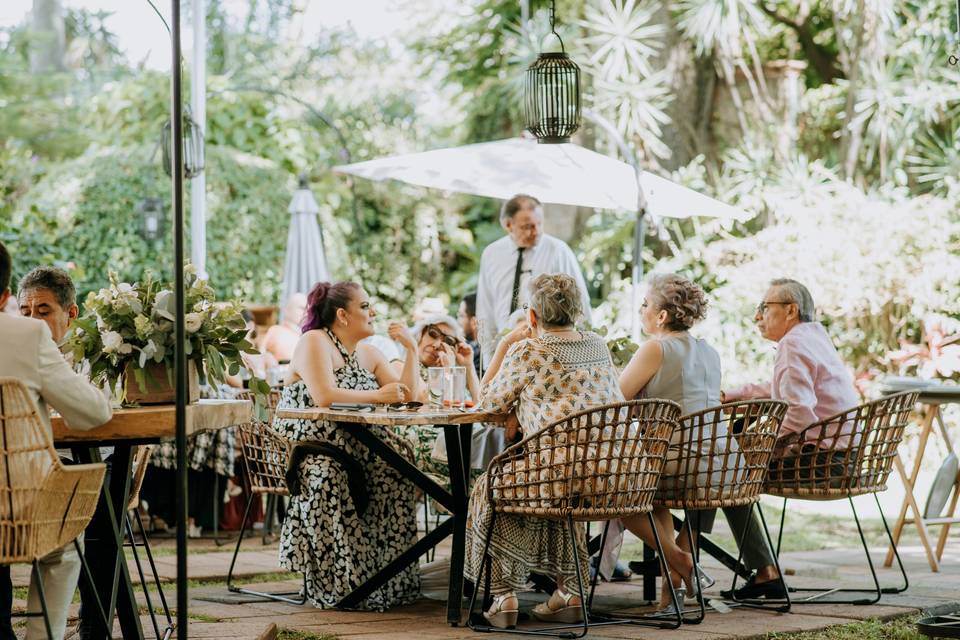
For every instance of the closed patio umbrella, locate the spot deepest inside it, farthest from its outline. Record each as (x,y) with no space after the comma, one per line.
(306,262)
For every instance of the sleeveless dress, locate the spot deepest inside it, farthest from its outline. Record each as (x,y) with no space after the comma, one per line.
(323,536)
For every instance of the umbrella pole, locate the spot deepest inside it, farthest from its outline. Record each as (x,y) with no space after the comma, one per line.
(637,272)
(180,361)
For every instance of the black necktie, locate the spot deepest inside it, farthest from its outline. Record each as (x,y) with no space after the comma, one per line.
(516,280)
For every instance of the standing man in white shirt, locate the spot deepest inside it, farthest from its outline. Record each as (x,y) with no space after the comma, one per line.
(510,262)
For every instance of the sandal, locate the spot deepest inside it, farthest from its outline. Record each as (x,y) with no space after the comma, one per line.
(500,617)
(568,613)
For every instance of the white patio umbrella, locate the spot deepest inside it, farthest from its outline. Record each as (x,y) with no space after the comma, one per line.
(554,173)
(306,262)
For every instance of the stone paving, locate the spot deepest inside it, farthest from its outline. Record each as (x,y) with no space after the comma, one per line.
(215,613)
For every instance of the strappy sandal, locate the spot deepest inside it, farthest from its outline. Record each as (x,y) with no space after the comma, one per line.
(502,618)
(568,613)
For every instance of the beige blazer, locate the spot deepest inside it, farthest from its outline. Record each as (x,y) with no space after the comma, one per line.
(28,352)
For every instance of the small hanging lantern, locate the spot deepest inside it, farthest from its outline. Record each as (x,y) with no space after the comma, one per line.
(151,218)
(551,96)
(192,146)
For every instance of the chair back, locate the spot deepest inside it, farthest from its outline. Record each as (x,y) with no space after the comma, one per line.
(273,399)
(597,464)
(848,454)
(265,456)
(140,460)
(719,456)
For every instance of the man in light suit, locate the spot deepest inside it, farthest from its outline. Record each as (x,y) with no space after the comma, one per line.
(28,352)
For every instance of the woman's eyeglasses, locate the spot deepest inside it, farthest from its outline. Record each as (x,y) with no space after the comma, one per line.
(412,405)
(436,334)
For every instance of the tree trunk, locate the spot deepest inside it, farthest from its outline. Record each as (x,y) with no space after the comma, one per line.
(47,47)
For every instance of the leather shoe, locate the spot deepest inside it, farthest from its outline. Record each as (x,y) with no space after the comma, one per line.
(752,590)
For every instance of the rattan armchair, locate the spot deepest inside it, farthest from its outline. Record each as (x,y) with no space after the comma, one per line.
(140,462)
(595,465)
(719,459)
(44,505)
(265,457)
(849,454)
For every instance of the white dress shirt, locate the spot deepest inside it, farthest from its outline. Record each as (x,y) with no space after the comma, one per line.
(495,286)
(31,355)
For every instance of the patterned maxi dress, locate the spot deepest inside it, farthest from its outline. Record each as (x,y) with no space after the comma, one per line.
(323,535)
(544,379)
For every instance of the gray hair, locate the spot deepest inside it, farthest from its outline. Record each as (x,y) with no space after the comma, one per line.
(55,280)
(433,320)
(794,292)
(555,298)
(514,204)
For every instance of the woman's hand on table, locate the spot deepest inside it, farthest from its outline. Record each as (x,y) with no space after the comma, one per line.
(393,392)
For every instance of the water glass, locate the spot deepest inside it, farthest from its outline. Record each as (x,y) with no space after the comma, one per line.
(454,387)
(435,386)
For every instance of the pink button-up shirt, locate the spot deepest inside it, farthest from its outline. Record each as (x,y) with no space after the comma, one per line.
(810,377)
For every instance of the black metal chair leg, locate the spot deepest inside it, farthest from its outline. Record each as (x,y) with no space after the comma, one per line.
(476,585)
(767,604)
(280,596)
(581,592)
(866,550)
(776,562)
(43,598)
(85,570)
(783,517)
(168,630)
(896,554)
(143,580)
(696,572)
(596,575)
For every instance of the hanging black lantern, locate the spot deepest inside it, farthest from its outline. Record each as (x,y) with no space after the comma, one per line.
(192,146)
(551,100)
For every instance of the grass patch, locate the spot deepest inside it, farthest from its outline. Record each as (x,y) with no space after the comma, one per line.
(278,576)
(902,628)
(292,634)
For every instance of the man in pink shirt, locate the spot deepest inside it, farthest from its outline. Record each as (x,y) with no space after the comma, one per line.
(808,375)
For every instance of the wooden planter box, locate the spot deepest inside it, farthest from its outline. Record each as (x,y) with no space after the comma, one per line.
(159,389)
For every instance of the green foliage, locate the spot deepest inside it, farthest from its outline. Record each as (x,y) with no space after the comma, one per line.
(83,214)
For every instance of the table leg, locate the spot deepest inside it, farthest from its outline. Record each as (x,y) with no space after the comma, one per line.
(105,555)
(917,516)
(926,427)
(458,459)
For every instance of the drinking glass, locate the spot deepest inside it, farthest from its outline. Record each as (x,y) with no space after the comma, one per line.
(454,387)
(435,386)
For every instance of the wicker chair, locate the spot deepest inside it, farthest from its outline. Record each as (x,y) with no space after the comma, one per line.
(44,505)
(849,454)
(594,465)
(265,455)
(140,462)
(709,467)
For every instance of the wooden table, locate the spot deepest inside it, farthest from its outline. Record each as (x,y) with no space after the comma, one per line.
(457,429)
(127,428)
(932,396)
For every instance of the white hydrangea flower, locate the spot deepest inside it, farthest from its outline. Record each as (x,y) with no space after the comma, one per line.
(193,321)
(112,341)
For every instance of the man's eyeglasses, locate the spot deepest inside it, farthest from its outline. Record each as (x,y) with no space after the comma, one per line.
(436,334)
(762,307)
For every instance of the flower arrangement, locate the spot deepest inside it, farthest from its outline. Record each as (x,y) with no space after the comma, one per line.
(132,325)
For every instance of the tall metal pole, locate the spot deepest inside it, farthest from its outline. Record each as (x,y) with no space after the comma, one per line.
(198,104)
(180,357)
(639,226)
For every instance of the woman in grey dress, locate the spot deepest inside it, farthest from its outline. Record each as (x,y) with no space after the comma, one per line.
(335,542)
(675,365)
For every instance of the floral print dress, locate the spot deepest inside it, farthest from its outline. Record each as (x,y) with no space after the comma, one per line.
(544,379)
(324,537)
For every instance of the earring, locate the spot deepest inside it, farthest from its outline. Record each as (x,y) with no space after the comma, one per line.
(343,322)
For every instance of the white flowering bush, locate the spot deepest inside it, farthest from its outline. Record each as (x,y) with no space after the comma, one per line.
(133,324)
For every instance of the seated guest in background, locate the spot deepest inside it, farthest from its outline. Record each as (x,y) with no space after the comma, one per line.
(467,317)
(807,374)
(335,538)
(48,294)
(674,365)
(281,339)
(544,378)
(254,364)
(31,355)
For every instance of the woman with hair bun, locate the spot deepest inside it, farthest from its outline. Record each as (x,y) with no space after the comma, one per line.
(335,542)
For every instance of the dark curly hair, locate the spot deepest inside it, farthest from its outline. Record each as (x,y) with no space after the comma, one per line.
(683,300)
